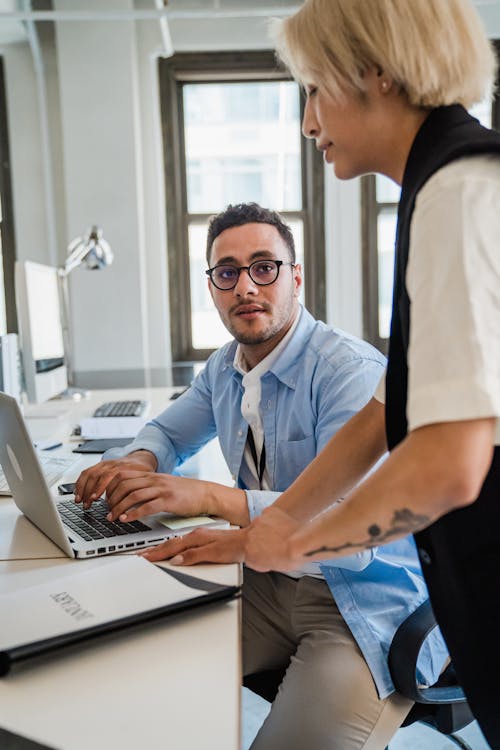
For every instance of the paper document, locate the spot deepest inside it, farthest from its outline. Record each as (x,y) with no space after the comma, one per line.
(111,427)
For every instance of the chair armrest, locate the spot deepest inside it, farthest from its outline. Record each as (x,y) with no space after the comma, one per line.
(403,655)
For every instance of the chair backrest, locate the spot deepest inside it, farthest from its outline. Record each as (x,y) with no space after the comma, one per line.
(442,705)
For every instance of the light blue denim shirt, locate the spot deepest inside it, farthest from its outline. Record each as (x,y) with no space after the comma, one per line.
(319,381)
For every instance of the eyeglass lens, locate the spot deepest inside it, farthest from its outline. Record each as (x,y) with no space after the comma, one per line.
(261,272)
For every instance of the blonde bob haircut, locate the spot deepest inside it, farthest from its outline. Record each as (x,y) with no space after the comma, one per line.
(436,50)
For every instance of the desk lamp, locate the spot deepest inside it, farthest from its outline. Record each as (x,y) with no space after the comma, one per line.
(93,252)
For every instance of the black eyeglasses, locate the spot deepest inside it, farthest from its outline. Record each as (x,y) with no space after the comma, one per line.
(262,273)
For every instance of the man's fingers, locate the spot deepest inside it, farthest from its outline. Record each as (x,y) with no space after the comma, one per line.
(92,479)
(117,487)
(129,492)
(137,504)
(97,488)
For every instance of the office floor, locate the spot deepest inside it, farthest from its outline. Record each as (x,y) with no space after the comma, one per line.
(415,737)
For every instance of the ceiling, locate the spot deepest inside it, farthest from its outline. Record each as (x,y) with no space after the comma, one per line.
(14,13)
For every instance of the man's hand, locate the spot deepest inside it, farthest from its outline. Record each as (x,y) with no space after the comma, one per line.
(201,546)
(94,481)
(135,494)
(267,542)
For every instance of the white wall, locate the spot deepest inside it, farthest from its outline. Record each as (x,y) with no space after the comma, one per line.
(26,154)
(103,184)
(106,168)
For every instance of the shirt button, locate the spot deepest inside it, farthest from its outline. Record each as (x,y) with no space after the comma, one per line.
(240,432)
(424,556)
(269,404)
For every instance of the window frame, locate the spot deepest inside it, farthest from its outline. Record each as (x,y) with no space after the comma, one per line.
(226,67)
(7,214)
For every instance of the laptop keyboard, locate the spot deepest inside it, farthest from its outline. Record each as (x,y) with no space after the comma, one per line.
(122,409)
(53,467)
(93,524)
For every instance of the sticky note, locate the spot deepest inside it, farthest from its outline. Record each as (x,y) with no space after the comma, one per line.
(178,522)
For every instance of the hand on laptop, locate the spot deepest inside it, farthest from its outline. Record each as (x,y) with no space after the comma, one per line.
(200,546)
(131,495)
(94,481)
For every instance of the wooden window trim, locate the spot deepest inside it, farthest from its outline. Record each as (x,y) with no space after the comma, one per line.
(7,221)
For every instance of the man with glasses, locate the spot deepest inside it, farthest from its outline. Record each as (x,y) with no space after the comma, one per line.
(274,396)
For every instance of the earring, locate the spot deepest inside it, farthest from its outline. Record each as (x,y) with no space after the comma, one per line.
(384,85)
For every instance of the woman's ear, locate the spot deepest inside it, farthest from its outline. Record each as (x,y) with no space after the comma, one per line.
(385,81)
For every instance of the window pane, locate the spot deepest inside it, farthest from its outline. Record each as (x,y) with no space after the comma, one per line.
(208,332)
(483,112)
(242,144)
(386,235)
(387,190)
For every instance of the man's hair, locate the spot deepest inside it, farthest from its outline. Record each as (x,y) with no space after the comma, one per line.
(248,213)
(436,50)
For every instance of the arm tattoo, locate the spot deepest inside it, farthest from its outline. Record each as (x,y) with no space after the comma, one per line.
(404,522)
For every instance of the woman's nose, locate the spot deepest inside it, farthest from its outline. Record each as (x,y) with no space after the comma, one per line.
(309,123)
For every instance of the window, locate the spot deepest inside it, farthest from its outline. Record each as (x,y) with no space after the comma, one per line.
(380,196)
(238,122)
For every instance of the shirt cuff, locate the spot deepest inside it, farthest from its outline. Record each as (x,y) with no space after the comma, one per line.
(259,500)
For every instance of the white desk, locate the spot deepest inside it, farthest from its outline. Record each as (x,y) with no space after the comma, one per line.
(174,684)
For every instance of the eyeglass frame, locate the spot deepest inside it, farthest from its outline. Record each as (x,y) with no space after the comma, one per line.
(239,269)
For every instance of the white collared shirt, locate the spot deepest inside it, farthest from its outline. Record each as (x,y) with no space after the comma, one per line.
(453,281)
(250,402)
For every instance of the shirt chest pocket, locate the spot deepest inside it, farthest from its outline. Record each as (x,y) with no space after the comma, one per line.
(292,457)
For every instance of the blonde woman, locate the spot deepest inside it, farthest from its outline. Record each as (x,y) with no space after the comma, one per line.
(388,84)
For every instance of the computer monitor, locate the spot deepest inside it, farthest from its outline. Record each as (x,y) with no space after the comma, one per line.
(40,330)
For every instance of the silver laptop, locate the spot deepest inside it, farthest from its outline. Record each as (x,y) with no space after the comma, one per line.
(77,532)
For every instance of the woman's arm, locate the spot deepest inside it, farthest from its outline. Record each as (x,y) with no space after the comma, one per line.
(436,469)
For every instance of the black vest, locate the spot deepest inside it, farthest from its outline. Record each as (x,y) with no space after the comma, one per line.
(460,553)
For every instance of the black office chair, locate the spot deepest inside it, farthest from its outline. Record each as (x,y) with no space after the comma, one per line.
(442,706)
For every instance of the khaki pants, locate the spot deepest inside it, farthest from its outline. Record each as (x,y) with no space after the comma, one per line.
(327,699)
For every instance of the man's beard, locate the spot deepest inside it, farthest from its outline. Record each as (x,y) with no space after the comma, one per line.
(276,318)
(255,338)
(249,337)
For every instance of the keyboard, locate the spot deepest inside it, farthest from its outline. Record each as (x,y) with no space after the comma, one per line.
(53,467)
(92,523)
(136,408)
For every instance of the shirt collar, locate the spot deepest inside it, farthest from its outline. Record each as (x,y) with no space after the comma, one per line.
(289,363)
